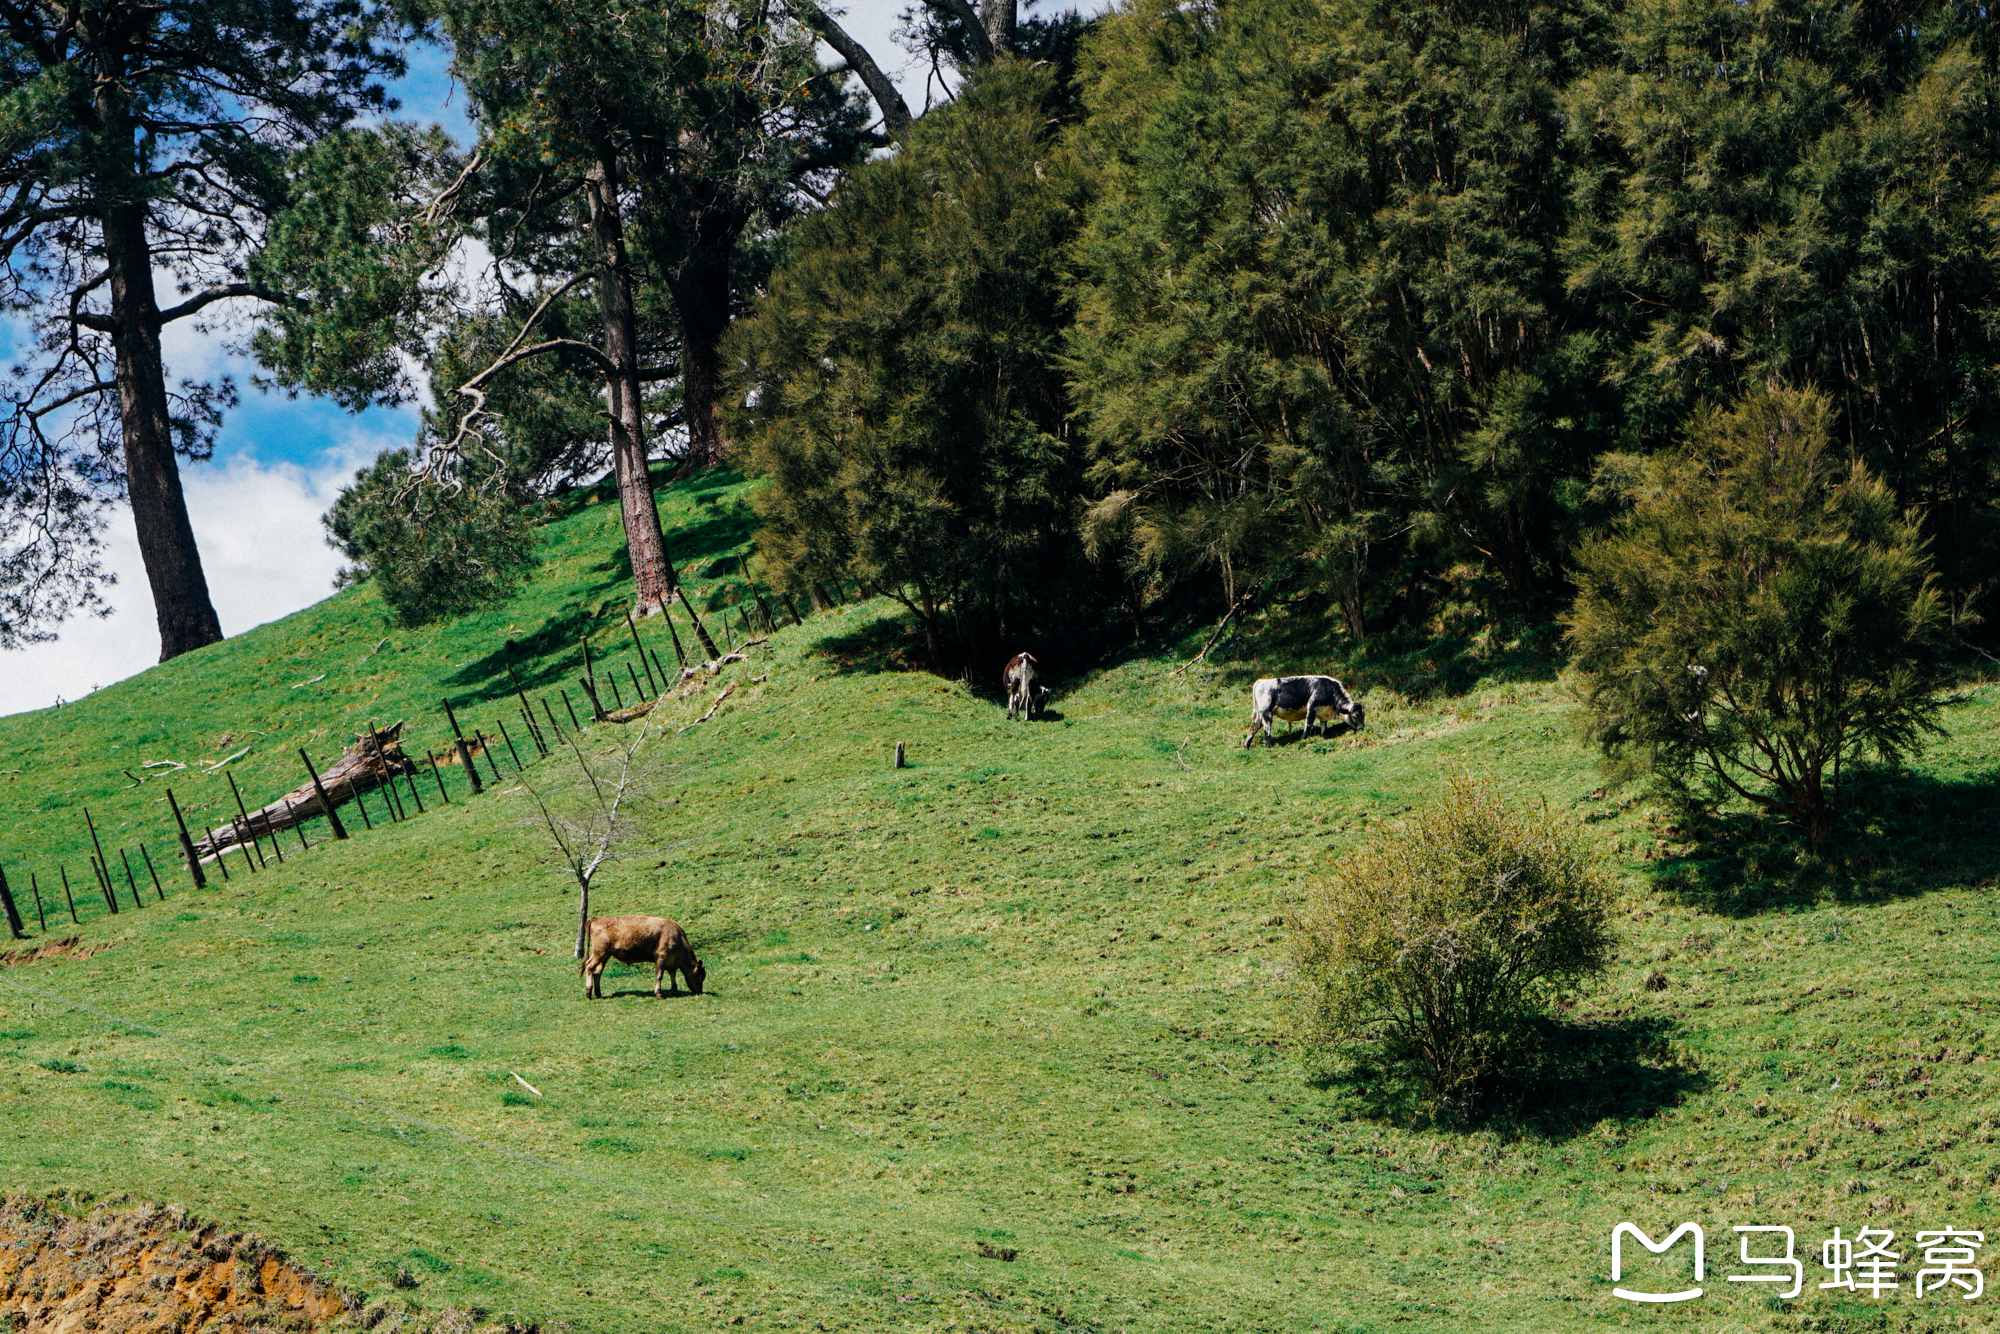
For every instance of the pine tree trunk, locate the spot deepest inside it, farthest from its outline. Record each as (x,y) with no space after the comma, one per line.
(159,510)
(701,299)
(998,17)
(652,574)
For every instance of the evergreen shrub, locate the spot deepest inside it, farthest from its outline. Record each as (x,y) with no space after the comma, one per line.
(1433,949)
(1763,613)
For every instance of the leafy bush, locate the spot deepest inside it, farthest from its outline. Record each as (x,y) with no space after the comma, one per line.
(1435,947)
(1762,613)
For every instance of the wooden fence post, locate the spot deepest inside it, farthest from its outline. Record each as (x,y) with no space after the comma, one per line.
(744,566)
(633,626)
(298,825)
(325,803)
(617,699)
(492,760)
(104,884)
(237,792)
(527,714)
(277,847)
(354,791)
(700,630)
(68,897)
(464,752)
(415,795)
(92,824)
(187,844)
(666,614)
(554,727)
(394,807)
(440,777)
(157,887)
(501,723)
(133,881)
(574,724)
(7,902)
(638,691)
(35,888)
(899,754)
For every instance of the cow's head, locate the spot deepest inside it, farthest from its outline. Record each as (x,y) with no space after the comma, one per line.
(1357,716)
(695,976)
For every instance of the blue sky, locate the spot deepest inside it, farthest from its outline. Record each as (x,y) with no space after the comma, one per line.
(279,462)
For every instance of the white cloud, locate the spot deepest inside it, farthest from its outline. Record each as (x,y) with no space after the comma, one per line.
(262,547)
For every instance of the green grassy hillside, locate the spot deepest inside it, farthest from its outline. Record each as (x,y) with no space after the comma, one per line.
(993,1042)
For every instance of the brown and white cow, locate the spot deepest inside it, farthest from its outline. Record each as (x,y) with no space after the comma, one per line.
(655,940)
(1025,692)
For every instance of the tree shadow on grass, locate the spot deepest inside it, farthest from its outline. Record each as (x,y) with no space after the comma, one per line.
(1568,1076)
(1902,833)
(886,644)
(1448,660)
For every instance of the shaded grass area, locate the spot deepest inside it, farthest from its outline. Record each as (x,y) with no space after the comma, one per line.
(1023,997)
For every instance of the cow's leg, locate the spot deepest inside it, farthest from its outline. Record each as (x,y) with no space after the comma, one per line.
(659,971)
(1315,701)
(1259,718)
(593,976)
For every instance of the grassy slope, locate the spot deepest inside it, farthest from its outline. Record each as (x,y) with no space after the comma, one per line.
(1022,995)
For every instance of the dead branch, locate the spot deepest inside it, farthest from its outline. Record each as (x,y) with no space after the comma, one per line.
(439,456)
(211,768)
(1220,626)
(725,693)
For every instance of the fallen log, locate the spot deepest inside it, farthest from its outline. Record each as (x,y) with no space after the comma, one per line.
(375,758)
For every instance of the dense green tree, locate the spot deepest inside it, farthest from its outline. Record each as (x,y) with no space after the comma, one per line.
(138,139)
(901,382)
(1763,613)
(1803,192)
(1322,310)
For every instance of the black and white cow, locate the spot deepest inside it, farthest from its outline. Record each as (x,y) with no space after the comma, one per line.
(1025,692)
(1313,698)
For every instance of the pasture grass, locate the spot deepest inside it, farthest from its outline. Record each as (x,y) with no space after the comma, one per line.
(994,1042)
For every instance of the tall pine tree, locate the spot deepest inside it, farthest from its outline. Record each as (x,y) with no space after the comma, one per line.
(138,138)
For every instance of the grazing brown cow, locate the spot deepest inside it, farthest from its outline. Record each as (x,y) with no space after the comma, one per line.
(655,940)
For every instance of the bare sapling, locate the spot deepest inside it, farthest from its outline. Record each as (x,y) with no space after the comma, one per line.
(585,825)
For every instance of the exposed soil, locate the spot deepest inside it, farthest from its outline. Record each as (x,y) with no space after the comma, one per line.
(144,1269)
(69,947)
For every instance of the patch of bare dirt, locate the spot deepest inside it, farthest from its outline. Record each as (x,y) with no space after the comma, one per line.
(144,1269)
(69,947)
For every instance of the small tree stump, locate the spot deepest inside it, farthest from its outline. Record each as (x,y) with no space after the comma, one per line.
(899,754)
